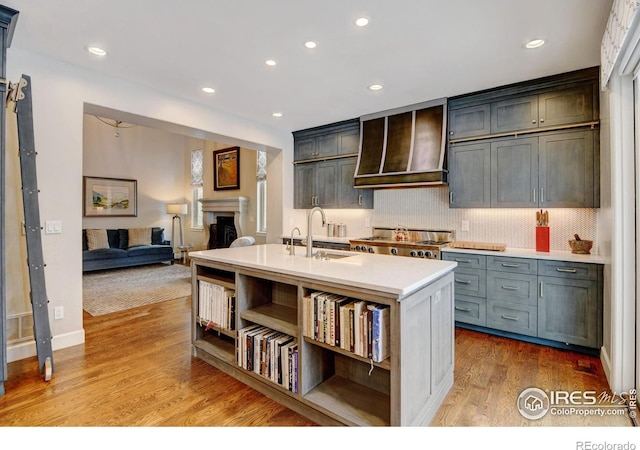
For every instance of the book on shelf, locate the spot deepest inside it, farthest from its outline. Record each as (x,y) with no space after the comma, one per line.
(216,305)
(359,306)
(380,339)
(241,345)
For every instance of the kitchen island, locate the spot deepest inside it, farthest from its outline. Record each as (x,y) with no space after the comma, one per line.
(265,286)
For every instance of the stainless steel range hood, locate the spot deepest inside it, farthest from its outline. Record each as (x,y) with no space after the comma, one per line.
(403,147)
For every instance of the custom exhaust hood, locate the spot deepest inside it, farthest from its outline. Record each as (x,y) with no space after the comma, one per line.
(403,147)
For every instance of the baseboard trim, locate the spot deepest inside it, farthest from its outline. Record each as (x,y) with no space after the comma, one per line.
(606,364)
(27,349)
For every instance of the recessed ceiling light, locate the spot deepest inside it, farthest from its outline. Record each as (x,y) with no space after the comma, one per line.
(310,44)
(375,87)
(96,51)
(270,62)
(208,90)
(362,21)
(276,114)
(535,43)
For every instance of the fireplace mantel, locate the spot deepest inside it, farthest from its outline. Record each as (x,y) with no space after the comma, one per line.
(228,206)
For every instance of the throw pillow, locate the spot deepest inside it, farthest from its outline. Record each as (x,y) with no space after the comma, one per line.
(97,239)
(139,236)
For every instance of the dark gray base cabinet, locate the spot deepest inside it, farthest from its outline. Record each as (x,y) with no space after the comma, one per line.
(544,299)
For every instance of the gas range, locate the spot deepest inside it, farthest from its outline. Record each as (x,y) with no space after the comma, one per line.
(404,242)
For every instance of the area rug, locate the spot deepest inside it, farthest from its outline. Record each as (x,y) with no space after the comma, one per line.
(108,291)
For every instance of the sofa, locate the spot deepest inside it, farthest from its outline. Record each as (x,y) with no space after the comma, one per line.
(115,248)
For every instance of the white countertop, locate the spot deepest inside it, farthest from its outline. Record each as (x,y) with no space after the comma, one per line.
(531,253)
(383,273)
(323,238)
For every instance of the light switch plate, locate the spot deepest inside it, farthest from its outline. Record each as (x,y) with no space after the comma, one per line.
(464,225)
(53,227)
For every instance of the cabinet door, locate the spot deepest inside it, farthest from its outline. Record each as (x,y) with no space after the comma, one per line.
(326,145)
(566,106)
(304,149)
(469,175)
(514,114)
(470,121)
(304,186)
(567,170)
(348,196)
(568,311)
(326,184)
(349,142)
(514,173)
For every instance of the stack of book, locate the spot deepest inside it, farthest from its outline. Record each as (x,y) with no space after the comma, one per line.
(269,353)
(216,306)
(353,325)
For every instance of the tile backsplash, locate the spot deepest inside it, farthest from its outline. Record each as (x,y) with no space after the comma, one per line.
(429,208)
(515,227)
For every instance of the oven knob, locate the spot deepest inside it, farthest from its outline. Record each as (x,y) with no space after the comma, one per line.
(371,250)
(394,251)
(413,253)
(357,248)
(420,253)
(364,248)
(428,254)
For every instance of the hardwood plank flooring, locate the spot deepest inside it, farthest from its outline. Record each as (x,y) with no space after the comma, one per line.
(136,369)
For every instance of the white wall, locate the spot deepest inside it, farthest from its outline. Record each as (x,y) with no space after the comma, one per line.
(154,158)
(60,95)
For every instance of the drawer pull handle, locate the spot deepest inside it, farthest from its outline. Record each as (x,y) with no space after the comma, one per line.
(460,308)
(561,269)
(504,316)
(510,265)
(463,281)
(462,260)
(511,288)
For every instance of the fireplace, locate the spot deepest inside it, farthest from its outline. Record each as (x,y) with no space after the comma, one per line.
(223,219)
(222,233)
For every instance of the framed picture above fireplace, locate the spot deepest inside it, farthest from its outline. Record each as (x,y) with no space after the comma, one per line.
(226,169)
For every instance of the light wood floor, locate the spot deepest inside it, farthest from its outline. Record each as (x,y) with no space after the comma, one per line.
(136,369)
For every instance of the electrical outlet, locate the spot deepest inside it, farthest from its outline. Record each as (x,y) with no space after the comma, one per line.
(367,222)
(58,312)
(464,225)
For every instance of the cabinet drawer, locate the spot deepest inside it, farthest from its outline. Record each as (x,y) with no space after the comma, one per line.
(513,265)
(512,317)
(466,260)
(471,310)
(512,287)
(470,282)
(561,269)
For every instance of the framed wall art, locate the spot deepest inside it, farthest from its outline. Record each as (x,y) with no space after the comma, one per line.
(226,169)
(110,197)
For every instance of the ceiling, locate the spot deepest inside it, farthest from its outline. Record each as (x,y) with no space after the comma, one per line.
(418,50)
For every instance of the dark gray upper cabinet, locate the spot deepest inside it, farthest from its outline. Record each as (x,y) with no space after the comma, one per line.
(470,180)
(544,141)
(325,165)
(514,173)
(470,121)
(514,114)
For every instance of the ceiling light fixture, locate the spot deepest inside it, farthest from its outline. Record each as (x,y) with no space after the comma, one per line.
(117,124)
(362,21)
(97,51)
(310,44)
(208,90)
(375,87)
(276,114)
(535,43)
(270,62)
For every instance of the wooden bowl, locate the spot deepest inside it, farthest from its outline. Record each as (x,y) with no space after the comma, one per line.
(582,247)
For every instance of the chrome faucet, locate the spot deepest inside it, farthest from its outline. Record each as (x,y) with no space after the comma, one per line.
(309,233)
(292,249)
